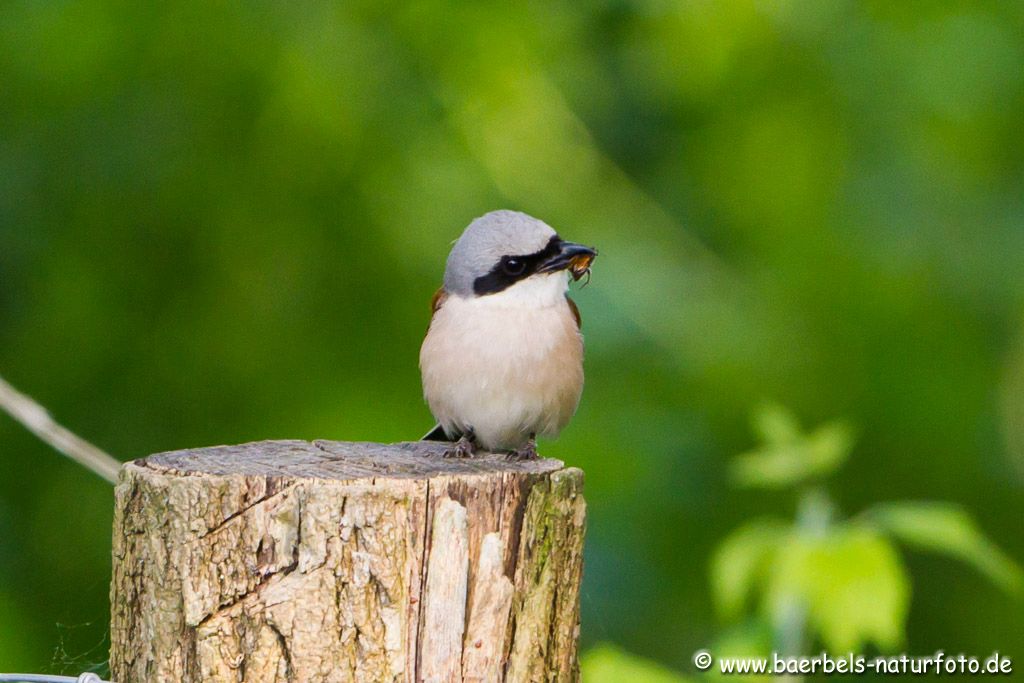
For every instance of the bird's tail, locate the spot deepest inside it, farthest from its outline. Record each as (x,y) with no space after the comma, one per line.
(435,434)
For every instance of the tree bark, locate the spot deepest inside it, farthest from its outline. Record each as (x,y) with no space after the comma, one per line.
(335,561)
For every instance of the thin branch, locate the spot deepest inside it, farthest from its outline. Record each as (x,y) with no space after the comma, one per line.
(35,418)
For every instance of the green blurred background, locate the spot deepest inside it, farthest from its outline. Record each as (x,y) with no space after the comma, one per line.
(222,222)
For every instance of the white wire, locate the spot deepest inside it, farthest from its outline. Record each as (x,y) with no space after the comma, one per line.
(42,678)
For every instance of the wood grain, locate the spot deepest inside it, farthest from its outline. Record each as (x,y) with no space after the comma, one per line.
(339,561)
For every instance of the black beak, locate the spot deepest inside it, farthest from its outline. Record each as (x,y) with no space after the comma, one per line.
(568,254)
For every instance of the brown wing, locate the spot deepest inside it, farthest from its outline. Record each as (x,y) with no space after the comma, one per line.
(438,300)
(436,303)
(575,312)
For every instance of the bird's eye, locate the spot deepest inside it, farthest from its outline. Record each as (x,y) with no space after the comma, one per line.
(513,266)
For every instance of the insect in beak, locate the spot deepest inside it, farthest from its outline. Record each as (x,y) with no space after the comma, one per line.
(579,265)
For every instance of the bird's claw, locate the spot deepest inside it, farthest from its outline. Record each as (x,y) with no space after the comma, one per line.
(463,448)
(525,452)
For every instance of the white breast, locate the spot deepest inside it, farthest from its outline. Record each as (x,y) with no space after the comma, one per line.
(506,365)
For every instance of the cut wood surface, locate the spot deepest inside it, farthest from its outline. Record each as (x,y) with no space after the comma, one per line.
(338,561)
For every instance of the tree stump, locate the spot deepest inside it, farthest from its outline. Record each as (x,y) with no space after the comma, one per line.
(337,561)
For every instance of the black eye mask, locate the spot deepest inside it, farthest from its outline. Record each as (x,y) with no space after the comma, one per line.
(512,269)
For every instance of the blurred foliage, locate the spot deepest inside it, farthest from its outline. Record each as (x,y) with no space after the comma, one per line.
(607,664)
(949,530)
(822,579)
(223,222)
(788,457)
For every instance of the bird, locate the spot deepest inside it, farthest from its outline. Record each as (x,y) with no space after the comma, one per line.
(502,360)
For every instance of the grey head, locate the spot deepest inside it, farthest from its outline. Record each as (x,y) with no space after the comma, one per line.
(489,239)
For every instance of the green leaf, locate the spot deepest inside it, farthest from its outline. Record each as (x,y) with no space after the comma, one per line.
(849,583)
(608,664)
(830,446)
(785,463)
(948,529)
(740,562)
(748,639)
(774,423)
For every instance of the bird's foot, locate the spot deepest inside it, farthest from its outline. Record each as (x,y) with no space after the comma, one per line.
(527,451)
(463,448)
